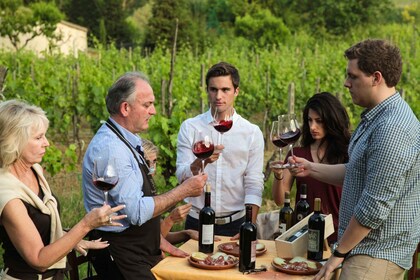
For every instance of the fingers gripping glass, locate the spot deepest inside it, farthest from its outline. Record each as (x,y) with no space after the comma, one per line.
(290,132)
(203,146)
(275,139)
(105,175)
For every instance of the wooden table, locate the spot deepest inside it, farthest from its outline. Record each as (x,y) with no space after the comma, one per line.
(172,268)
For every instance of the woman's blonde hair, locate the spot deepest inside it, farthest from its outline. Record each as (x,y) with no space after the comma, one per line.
(18,121)
(149,148)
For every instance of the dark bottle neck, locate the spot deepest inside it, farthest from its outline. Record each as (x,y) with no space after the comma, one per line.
(207,199)
(248,215)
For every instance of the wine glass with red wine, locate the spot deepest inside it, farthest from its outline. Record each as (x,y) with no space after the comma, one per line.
(105,175)
(275,139)
(290,132)
(203,146)
(222,122)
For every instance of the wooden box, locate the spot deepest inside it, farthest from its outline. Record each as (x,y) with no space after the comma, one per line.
(298,247)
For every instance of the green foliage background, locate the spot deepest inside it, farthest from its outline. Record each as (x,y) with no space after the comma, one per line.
(66,87)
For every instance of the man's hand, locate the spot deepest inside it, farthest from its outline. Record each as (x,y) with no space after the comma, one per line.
(193,186)
(328,268)
(167,247)
(302,167)
(179,213)
(196,165)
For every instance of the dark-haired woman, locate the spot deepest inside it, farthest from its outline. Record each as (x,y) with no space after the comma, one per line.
(325,139)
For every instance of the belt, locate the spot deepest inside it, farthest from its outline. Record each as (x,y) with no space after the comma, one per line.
(31,276)
(222,220)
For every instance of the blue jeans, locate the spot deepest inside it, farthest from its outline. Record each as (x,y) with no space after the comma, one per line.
(229,229)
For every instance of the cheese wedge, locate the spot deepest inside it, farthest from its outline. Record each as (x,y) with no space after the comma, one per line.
(279,261)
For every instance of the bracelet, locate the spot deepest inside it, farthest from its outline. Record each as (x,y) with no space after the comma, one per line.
(278,178)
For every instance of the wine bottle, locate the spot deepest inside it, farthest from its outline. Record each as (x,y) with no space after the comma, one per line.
(316,228)
(206,224)
(247,242)
(297,234)
(302,206)
(286,215)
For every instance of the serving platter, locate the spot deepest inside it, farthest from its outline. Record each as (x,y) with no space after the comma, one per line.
(211,267)
(310,271)
(232,248)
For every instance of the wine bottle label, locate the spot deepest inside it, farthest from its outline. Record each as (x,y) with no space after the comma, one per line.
(282,228)
(253,250)
(303,196)
(299,216)
(313,240)
(207,236)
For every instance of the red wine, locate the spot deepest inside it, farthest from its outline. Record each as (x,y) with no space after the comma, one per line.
(316,228)
(223,126)
(105,186)
(285,215)
(290,137)
(247,242)
(302,206)
(203,151)
(206,225)
(279,143)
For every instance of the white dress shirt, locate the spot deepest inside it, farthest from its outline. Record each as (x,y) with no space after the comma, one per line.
(236,178)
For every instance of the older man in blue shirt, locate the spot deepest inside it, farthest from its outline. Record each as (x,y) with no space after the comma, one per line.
(134,248)
(380,206)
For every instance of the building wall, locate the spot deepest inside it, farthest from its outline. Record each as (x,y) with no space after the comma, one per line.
(74,39)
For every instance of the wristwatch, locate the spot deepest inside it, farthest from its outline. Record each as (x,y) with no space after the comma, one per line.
(336,253)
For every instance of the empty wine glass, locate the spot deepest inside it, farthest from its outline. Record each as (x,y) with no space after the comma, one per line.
(222,121)
(203,146)
(105,175)
(290,132)
(275,139)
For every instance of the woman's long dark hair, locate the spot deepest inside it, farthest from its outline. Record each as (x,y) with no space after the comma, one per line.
(336,124)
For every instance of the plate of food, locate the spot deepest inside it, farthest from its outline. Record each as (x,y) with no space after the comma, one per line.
(232,248)
(296,265)
(216,261)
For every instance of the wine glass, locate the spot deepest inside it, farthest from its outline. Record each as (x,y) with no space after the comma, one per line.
(222,122)
(203,146)
(105,175)
(275,139)
(290,132)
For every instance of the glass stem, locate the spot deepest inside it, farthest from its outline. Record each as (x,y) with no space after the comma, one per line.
(202,163)
(105,197)
(281,155)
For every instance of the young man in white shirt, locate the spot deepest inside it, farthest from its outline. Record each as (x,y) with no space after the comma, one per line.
(235,169)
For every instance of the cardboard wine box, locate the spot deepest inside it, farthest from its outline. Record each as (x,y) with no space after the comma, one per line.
(298,247)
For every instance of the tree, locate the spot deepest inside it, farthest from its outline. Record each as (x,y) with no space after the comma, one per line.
(104,18)
(161,27)
(36,19)
(262,28)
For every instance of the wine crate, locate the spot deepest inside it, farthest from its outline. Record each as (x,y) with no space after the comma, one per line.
(298,247)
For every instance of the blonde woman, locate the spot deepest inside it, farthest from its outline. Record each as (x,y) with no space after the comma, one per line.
(30,227)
